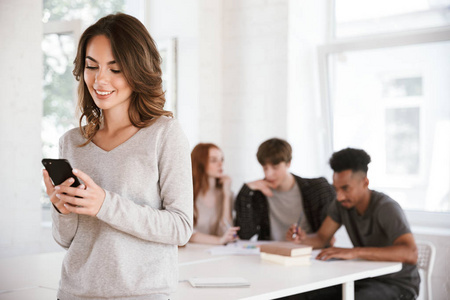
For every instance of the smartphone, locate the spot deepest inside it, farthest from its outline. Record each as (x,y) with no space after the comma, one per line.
(59,171)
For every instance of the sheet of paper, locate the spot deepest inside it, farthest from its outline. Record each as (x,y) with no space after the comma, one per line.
(237,248)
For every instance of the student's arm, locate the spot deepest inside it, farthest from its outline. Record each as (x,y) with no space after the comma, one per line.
(317,240)
(403,250)
(202,238)
(227,204)
(263,186)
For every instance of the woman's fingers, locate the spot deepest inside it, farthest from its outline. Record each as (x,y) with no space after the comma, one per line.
(48,182)
(85,178)
(85,199)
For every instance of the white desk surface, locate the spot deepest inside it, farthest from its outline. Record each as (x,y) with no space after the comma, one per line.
(269,280)
(37,276)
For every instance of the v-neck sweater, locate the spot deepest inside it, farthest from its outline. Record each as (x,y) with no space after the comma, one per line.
(129,250)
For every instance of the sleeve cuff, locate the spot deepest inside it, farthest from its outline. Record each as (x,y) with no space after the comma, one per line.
(103,210)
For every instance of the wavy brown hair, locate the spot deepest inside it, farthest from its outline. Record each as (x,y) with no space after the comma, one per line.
(137,56)
(199,159)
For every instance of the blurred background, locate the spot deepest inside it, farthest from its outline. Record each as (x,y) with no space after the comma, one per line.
(322,74)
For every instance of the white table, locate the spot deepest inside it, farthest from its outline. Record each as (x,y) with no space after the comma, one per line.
(269,280)
(37,276)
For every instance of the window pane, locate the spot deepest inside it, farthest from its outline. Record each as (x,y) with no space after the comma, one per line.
(393,102)
(402,141)
(355,17)
(59,97)
(59,90)
(87,10)
(403,87)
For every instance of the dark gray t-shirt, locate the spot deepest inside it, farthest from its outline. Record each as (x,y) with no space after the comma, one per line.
(381,224)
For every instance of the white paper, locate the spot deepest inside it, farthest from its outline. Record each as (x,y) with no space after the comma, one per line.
(237,248)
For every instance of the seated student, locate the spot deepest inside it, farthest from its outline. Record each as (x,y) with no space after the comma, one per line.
(268,207)
(212,197)
(377,228)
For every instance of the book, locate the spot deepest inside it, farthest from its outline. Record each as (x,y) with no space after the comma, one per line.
(214,282)
(286,249)
(302,260)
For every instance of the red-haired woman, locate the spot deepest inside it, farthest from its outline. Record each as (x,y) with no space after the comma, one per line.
(212,197)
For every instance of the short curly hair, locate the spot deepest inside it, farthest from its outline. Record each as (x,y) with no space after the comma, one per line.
(350,159)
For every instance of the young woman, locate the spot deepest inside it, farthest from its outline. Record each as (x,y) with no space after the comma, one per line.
(122,226)
(212,197)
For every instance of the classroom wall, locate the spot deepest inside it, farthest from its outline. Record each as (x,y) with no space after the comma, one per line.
(20,126)
(255,75)
(180,19)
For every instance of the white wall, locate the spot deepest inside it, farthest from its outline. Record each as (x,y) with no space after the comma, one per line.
(20,126)
(254,82)
(180,19)
(305,120)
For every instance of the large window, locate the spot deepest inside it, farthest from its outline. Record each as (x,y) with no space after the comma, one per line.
(388,94)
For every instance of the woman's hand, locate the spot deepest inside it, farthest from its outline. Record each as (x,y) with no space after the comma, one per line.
(230,235)
(51,192)
(83,201)
(225,181)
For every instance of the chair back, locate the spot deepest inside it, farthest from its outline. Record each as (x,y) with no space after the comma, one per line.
(425,262)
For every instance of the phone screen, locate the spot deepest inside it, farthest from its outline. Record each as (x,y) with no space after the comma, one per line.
(59,171)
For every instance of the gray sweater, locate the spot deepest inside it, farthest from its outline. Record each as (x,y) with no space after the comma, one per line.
(129,250)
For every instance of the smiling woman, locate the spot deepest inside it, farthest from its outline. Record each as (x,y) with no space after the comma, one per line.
(63,22)
(133,160)
(142,75)
(104,80)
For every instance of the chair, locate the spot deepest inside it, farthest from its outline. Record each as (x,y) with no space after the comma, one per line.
(425,262)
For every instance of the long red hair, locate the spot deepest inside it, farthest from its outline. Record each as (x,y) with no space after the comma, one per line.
(199,159)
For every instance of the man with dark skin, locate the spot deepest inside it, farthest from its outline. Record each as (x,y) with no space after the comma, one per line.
(376,226)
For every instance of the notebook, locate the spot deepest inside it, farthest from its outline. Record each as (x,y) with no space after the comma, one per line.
(215,282)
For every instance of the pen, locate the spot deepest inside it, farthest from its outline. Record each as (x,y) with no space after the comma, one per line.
(228,227)
(300,219)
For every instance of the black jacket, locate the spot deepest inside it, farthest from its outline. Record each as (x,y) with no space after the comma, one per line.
(252,208)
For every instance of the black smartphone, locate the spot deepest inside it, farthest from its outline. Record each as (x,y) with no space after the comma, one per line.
(59,171)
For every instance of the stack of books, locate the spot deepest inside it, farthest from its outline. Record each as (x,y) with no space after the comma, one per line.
(286,253)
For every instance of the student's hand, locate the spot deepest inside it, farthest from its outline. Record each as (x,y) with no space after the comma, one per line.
(230,235)
(340,253)
(263,186)
(225,181)
(295,234)
(88,200)
(51,192)
(332,241)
